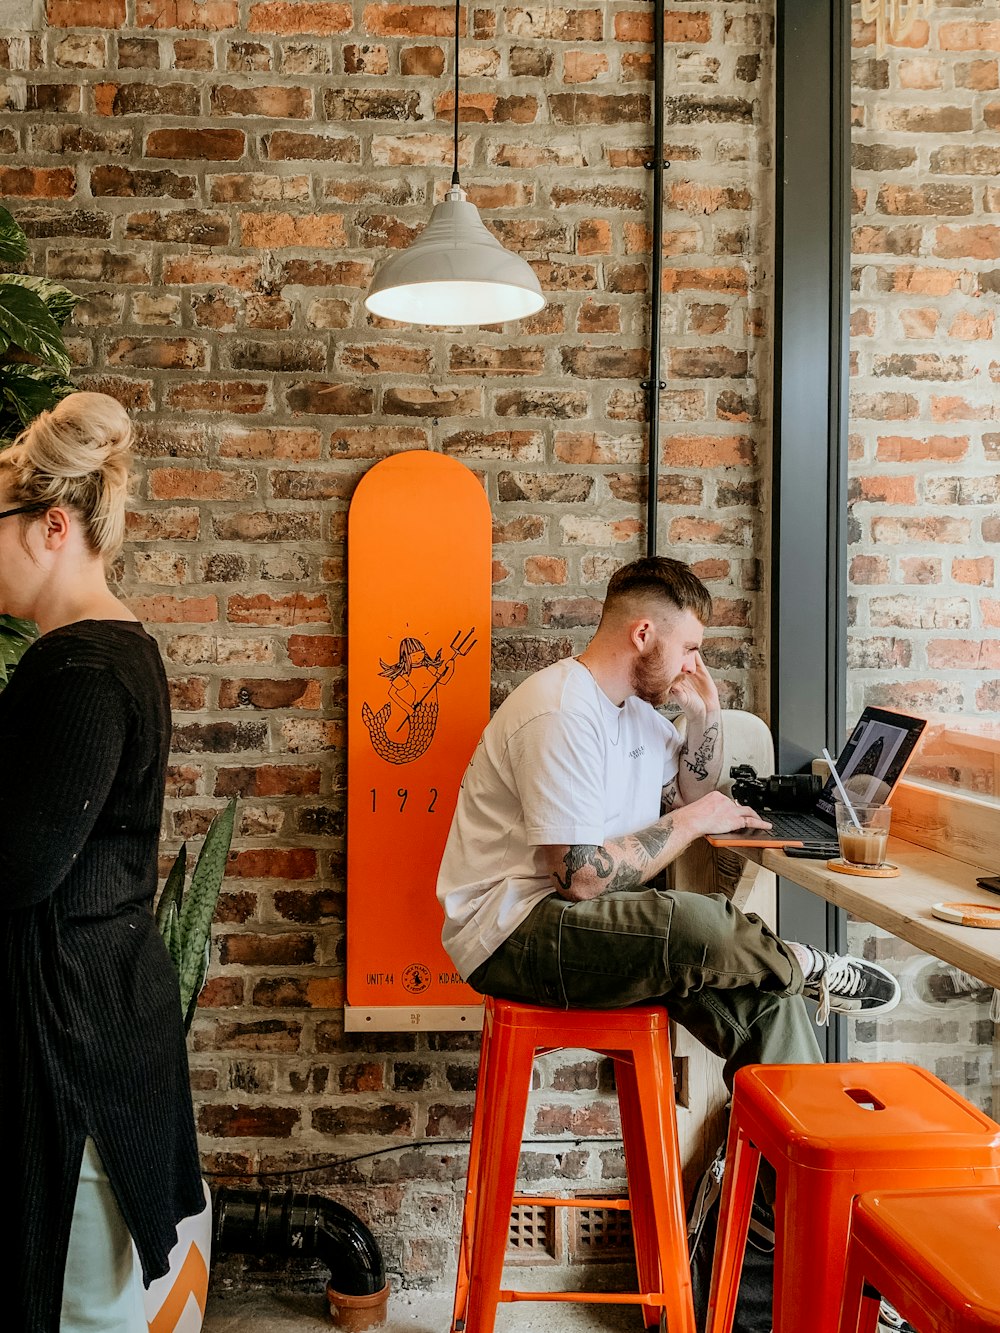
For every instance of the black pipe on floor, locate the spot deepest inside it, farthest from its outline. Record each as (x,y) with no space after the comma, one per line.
(309,1226)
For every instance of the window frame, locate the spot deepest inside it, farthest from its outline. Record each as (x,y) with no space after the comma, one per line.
(808,576)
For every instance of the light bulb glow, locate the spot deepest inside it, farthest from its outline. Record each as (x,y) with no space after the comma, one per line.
(441,304)
(455,273)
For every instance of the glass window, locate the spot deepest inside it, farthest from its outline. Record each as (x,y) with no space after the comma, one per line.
(924,468)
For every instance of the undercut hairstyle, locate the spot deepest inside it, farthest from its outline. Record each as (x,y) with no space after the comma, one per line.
(76,456)
(660,579)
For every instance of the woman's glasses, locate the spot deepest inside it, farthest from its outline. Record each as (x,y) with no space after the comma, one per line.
(24,509)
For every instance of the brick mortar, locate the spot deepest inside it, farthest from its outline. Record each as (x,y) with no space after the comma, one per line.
(563,477)
(923,471)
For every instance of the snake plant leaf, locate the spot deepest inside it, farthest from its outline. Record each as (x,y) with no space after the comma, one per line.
(58,300)
(25,323)
(193,1005)
(173,890)
(13,242)
(16,636)
(171,932)
(200,902)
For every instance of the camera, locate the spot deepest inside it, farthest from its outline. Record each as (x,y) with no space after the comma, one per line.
(781,791)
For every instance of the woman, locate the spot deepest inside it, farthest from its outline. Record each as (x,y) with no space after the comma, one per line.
(93,1069)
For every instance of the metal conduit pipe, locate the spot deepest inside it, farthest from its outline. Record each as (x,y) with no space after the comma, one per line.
(291,1225)
(655,384)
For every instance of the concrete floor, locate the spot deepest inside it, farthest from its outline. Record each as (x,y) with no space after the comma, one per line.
(409,1312)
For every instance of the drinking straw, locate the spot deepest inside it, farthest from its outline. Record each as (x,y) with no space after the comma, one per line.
(841,788)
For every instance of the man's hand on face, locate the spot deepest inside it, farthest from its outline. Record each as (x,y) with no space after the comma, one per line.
(696,694)
(716,813)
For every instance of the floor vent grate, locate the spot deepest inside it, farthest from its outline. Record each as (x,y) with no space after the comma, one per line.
(532,1238)
(600,1234)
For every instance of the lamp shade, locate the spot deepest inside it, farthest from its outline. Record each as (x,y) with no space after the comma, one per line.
(455,272)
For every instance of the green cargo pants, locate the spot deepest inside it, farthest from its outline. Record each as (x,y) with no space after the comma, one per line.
(721,974)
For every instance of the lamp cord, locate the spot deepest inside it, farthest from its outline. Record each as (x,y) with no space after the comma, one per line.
(432,1144)
(454,169)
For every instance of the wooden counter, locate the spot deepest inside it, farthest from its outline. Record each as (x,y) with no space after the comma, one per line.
(903,905)
(944,840)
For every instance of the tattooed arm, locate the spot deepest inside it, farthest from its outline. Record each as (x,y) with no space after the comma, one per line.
(583,871)
(701,757)
(586,871)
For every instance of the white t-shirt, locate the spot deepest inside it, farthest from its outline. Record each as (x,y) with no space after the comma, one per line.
(559,763)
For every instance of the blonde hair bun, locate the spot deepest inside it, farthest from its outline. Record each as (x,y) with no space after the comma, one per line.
(78,455)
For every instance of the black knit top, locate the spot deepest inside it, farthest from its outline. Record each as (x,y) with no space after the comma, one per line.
(92,1042)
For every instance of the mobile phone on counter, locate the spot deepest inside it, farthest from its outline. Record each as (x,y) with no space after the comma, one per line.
(815,851)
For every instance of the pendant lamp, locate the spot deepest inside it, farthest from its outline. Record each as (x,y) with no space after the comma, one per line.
(455,272)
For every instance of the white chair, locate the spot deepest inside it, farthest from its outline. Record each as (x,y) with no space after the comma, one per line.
(704,869)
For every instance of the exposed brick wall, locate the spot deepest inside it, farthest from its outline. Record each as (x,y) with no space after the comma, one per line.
(942,1022)
(925,440)
(218,180)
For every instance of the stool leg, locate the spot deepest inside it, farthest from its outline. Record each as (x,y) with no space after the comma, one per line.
(742,1161)
(472,1178)
(809,1258)
(868,1315)
(859,1307)
(508,1085)
(808,1263)
(654,1096)
(640,1194)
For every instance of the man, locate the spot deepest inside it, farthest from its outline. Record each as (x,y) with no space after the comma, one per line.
(558,830)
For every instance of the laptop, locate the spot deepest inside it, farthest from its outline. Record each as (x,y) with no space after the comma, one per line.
(871,763)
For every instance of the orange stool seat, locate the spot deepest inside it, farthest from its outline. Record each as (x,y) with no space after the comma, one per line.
(831,1132)
(638,1041)
(932,1254)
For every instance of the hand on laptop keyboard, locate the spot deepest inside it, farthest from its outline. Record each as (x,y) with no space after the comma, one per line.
(716,813)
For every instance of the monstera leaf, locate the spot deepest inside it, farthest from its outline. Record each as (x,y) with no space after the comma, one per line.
(13,242)
(34,363)
(24,392)
(59,301)
(26,324)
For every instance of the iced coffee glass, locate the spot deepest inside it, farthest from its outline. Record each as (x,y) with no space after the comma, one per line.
(865,846)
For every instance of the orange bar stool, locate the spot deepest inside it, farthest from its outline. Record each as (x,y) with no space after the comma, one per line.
(933,1255)
(830,1132)
(638,1040)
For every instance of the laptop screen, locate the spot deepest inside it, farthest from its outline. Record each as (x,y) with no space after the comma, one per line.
(874,758)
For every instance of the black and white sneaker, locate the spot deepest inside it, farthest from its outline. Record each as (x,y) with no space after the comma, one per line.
(890,1321)
(941,983)
(844,984)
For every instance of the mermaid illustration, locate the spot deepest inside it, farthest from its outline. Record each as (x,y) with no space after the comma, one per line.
(403,728)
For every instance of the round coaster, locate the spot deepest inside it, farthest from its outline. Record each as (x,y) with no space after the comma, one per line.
(968,914)
(885,871)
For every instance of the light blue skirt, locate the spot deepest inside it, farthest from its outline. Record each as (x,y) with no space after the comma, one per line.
(102,1290)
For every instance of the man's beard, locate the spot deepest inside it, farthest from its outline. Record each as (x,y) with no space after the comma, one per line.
(647,678)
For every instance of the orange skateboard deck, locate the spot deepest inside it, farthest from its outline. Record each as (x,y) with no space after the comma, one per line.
(418,684)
